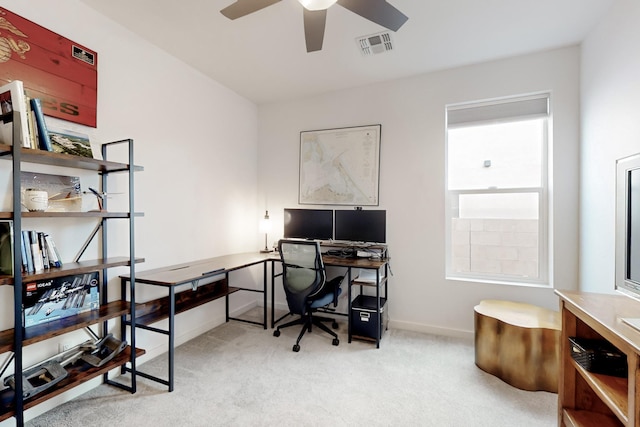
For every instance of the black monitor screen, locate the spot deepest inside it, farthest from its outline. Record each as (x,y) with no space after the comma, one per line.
(361,225)
(316,224)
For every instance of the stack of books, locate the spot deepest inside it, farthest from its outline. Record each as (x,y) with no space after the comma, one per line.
(33,131)
(39,252)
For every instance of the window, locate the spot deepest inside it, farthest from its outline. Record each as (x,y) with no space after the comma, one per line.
(497,210)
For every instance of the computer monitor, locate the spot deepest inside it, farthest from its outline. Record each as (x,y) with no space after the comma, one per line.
(628,225)
(314,224)
(361,225)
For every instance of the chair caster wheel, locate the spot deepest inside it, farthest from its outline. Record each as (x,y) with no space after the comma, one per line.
(335,325)
(276,333)
(296,348)
(335,341)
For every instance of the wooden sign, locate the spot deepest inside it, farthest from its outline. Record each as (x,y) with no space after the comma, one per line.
(62,73)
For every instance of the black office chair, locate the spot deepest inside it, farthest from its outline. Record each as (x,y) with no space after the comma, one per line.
(306,287)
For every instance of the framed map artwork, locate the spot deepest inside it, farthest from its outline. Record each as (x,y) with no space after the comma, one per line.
(340,166)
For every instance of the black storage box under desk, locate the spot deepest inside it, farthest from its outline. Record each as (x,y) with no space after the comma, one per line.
(364,316)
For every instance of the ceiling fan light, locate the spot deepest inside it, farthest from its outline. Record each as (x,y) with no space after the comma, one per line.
(317,4)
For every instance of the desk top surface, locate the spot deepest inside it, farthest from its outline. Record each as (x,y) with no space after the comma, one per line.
(189,271)
(186,272)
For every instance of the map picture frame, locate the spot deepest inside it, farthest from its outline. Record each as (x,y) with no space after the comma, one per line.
(340,166)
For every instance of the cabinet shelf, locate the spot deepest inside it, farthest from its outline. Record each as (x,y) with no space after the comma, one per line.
(42,332)
(611,390)
(28,155)
(71,268)
(580,418)
(588,399)
(77,375)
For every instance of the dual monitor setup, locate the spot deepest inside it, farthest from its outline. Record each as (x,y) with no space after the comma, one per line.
(350,225)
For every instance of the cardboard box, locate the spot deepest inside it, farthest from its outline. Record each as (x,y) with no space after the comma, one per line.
(61,297)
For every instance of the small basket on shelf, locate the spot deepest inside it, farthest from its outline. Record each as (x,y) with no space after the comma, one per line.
(598,356)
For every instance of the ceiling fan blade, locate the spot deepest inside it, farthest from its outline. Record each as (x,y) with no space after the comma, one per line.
(314,23)
(378,11)
(244,7)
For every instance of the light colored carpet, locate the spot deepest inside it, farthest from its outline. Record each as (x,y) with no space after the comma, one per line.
(241,375)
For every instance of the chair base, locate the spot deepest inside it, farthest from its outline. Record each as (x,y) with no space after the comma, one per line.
(307,321)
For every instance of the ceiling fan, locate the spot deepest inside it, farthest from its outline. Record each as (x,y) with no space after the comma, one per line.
(315,15)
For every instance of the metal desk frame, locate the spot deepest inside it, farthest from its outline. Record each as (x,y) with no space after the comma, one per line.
(191,274)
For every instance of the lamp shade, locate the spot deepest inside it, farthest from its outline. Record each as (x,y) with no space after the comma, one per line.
(265,223)
(317,4)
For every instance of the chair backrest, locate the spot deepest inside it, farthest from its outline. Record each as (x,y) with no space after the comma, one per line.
(303,272)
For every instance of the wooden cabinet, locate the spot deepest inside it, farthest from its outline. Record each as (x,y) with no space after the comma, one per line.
(588,399)
(15,341)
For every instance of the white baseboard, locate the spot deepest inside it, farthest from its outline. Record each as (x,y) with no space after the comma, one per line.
(415,327)
(427,329)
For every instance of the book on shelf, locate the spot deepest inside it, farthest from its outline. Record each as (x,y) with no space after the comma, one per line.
(52,251)
(31,124)
(36,251)
(26,247)
(6,247)
(44,142)
(13,99)
(39,252)
(43,249)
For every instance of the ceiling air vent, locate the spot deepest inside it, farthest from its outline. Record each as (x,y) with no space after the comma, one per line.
(375,43)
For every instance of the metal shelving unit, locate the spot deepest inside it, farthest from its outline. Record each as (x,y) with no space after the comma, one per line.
(14,341)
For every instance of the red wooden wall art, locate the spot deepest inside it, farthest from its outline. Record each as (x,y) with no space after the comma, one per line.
(62,73)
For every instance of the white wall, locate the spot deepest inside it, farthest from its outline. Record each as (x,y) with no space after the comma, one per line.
(411,112)
(196,140)
(610,130)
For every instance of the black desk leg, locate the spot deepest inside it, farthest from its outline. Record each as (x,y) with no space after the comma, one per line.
(349,303)
(172,313)
(273,295)
(379,315)
(226,298)
(264,294)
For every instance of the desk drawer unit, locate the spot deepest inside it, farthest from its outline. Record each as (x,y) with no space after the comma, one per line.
(364,316)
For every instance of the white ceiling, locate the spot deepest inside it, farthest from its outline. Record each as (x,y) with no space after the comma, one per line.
(262,56)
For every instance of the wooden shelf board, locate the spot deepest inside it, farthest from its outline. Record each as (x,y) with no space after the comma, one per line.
(153,311)
(611,390)
(88,214)
(578,418)
(356,282)
(59,327)
(28,155)
(77,375)
(70,268)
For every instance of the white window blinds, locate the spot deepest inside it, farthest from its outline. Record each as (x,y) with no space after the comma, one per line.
(498,111)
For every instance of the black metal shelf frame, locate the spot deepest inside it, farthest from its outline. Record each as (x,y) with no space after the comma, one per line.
(104,167)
